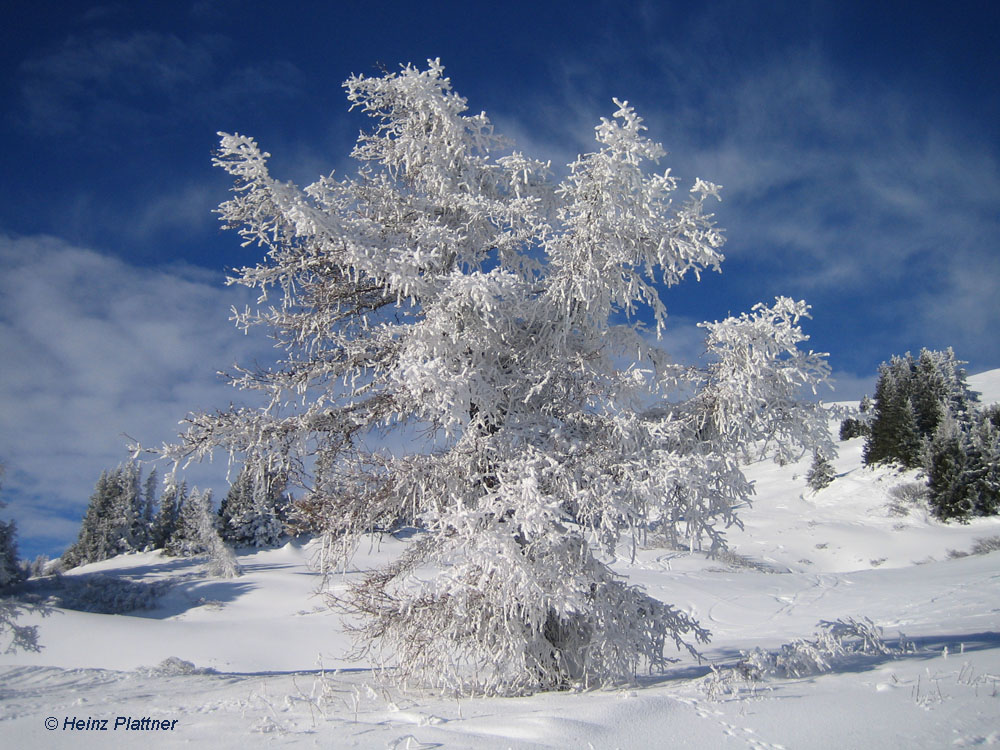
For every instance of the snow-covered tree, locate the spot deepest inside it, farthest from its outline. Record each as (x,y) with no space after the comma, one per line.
(452,287)
(860,424)
(10,570)
(962,463)
(251,513)
(196,534)
(165,522)
(912,397)
(115,520)
(186,541)
(949,476)
(821,472)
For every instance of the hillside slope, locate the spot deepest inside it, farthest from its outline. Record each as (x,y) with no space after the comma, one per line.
(281,666)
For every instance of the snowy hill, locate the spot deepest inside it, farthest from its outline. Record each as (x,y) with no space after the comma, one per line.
(988,385)
(277,657)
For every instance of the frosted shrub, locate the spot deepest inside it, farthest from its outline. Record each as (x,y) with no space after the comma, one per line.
(905,497)
(451,286)
(106,595)
(802,657)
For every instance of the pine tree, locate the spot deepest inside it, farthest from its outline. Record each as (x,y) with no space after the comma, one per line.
(252,512)
(196,534)
(150,505)
(91,544)
(888,417)
(984,460)
(10,571)
(131,509)
(165,523)
(821,472)
(950,478)
(12,635)
(188,537)
(912,396)
(115,520)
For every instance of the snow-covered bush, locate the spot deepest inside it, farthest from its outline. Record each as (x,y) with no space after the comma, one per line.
(905,497)
(105,594)
(451,286)
(833,642)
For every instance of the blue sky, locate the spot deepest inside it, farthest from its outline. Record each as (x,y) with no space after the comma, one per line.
(857,144)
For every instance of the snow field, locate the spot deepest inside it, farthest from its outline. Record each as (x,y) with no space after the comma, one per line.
(282,675)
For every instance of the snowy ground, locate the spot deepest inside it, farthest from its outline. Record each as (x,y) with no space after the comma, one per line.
(281,674)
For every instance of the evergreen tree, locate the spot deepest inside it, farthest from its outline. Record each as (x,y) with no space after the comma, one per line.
(10,571)
(860,426)
(950,476)
(894,434)
(165,523)
(14,636)
(92,543)
(912,397)
(821,472)
(850,427)
(131,507)
(196,534)
(253,510)
(984,460)
(188,537)
(865,407)
(150,504)
(114,522)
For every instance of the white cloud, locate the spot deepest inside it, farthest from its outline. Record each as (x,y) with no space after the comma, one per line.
(93,349)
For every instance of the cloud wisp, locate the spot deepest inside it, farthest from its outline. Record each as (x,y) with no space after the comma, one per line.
(95,349)
(97,83)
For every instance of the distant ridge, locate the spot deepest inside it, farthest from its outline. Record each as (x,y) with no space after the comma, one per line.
(987,384)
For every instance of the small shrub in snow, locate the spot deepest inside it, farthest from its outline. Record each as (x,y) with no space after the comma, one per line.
(905,497)
(980,547)
(800,658)
(173,666)
(106,595)
(987,545)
